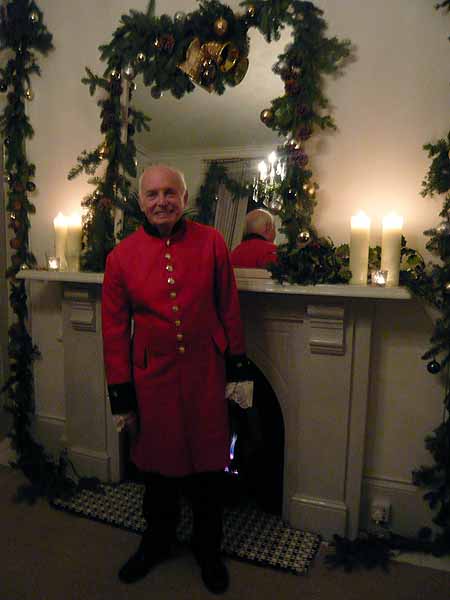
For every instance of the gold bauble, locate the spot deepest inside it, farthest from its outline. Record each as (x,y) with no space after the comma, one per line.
(251,11)
(140,57)
(29,94)
(266,116)
(447,288)
(312,190)
(115,74)
(220,26)
(303,238)
(240,71)
(34,16)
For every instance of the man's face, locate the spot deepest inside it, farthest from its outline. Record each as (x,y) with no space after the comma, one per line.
(162,198)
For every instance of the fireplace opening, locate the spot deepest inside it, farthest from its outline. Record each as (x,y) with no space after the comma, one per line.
(256,469)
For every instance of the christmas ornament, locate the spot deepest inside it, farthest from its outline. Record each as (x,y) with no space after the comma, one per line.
(266,116)
(34,16)
(128,72)
(433,367)
(303,238)
(115,74)
(8,178)
(304,133)
(292,86)
(3,87)
(180,17)
(31,186)
(275,205)
(280,67)
(157,43)
(240,71)
(156,92)
(220,26)
(447,288)
(24,267)
(15,243)
(209,73)
(251,11)
(312,190)
(140,57)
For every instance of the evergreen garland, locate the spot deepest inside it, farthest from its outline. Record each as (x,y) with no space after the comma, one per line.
(23,33)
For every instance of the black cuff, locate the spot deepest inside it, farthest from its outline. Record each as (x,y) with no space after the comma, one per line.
(122,398)
(238,368)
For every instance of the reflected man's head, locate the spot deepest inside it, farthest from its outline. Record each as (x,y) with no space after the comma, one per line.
(162,196)
(260,222)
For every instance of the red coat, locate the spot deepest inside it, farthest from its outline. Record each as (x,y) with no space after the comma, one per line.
(254,253)
(182,295)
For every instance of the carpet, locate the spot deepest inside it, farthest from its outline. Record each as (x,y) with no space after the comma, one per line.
(249,533)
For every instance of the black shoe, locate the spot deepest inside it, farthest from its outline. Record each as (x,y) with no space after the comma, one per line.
(215,575)
(139,565)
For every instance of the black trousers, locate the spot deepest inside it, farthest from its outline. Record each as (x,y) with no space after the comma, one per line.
(161,509)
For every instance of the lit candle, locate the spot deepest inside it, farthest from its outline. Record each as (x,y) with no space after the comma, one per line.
(391,238)
(359,248)
(73,242)
(60,226)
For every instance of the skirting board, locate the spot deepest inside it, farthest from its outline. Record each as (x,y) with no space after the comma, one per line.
(409,512)
(319,515)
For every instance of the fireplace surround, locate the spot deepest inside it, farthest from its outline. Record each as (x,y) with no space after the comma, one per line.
(311,343)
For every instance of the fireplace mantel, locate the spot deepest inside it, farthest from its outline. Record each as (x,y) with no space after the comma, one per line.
(313,345)
(248,280)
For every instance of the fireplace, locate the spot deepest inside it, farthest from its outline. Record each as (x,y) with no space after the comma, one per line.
(310,346)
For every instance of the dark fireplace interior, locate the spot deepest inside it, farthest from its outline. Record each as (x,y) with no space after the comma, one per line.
(257,450)
(255,475)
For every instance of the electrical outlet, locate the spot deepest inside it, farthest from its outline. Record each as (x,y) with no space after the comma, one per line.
(380,510)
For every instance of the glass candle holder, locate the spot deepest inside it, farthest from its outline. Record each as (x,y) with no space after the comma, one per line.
(379,278)
(53,263)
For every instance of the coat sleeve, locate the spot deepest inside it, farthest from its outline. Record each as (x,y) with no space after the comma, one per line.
(116,331)
(227,298)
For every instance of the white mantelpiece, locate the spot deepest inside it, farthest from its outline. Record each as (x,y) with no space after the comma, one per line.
(313,345)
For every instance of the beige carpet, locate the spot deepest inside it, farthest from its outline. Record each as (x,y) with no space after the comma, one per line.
(50,555)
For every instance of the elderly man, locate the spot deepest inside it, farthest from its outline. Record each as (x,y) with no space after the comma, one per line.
(257,249)
(173,278)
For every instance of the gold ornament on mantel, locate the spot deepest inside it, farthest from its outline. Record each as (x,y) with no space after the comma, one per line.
(29,94)
(447,287)
(220,26)
(251,11)
(303,239)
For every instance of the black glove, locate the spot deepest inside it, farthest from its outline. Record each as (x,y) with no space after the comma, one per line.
(238,367)
(122,397)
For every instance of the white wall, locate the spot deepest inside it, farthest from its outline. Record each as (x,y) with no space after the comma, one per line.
(392,100)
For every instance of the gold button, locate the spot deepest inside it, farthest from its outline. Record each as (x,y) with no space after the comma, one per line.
(177,323)
(175,308)
(179,337)
(167,242)
(168,256)
(181,349)
(169,268)
(171,281)
(173,294)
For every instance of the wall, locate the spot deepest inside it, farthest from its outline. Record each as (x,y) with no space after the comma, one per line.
(392,99)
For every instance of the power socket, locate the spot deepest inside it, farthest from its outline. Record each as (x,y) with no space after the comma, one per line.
(380,510)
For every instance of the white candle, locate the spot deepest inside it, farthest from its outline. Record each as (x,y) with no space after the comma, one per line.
(359,248)
(60,226)
(391,238)
(73,242)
